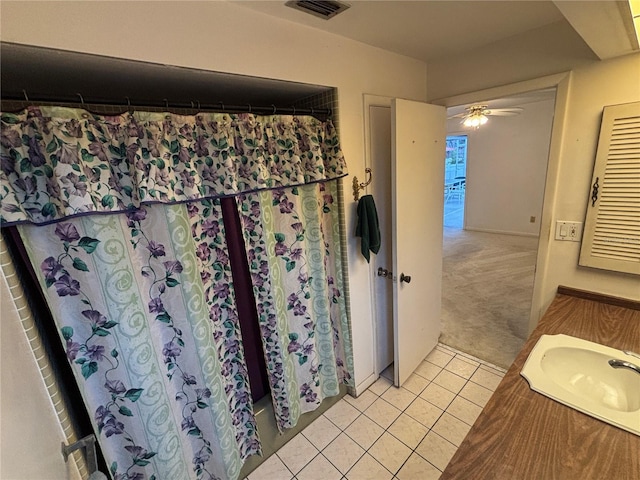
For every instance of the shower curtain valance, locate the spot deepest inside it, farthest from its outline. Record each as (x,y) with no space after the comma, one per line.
(58,162)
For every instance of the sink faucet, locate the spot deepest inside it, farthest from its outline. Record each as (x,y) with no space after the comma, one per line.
(622,364)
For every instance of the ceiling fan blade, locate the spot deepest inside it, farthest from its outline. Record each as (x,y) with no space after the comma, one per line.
(504,111)
(502,114)
(459,115)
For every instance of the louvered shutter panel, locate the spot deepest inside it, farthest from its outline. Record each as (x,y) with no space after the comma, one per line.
(611,239)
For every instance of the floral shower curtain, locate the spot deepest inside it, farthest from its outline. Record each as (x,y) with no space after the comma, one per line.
(144,298)
(293,250)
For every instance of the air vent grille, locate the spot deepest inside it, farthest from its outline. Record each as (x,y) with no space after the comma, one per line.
(320,8)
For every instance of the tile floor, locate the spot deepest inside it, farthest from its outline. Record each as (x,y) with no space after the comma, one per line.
(390,433)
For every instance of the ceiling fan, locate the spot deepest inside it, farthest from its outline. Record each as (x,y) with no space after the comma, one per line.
(476,115)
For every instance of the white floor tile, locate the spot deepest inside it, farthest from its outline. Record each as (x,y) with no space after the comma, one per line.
(319,469)
(464,410)
(367,468)
(476,394)
(400,398)
(380,386)
(415,383)
(451,428)
(271,469)
(486,379)
(296,453)
(439,357)
(382,412)
(390,452)
(364,431)
(469,358)
(428,370)
(343,452)
(440,401)
(408,430)
(342,414)
(424,412)
(450,381)
(363,401)
(418,468)
(461,367)
(439,396)
(493,369)
(437,450)
(321,432)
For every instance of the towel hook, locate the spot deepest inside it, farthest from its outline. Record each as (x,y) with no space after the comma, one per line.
(361,186)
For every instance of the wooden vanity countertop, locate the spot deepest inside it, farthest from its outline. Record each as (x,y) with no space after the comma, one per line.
(523,435)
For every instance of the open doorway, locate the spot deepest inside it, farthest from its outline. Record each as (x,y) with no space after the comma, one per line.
(489,258)
(455,181)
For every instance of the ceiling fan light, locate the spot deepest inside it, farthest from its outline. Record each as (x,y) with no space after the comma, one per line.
(475,120)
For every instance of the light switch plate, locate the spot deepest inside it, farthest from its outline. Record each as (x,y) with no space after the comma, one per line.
(568,231)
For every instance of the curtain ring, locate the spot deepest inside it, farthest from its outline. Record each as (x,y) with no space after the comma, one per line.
(198,101)
(274,109)
(294,110)
(221,105)
(128,105)
(312,112)
(81,99)
(24,92)
(166,103)
(249,105)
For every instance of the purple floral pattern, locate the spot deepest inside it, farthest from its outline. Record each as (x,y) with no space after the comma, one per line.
(207,229)
(258,258)
(92,352)
(288,252)
(162,275)
(94,342)
(57,162)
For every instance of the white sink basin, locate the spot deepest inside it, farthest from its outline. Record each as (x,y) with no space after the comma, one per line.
(579,374)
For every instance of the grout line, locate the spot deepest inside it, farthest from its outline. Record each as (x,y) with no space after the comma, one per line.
(429,430)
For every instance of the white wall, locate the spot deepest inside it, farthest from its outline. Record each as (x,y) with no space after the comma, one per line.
(506,170)
(590,88)
(221,36)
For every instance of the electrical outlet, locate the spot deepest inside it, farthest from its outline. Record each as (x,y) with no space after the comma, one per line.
(532,219)
(568,231)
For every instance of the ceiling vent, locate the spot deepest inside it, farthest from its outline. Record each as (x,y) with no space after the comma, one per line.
(320,8)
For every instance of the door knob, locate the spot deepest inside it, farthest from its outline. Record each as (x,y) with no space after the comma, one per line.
(405,278)
(383,272)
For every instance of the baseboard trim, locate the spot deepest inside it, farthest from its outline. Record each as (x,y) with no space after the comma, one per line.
(362,386)
(502,232)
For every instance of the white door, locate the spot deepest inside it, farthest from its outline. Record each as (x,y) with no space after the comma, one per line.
(418,132)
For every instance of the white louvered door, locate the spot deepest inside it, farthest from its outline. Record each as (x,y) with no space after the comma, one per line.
(611,239)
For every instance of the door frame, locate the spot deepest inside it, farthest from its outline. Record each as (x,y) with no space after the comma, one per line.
(373,101)
(541,288)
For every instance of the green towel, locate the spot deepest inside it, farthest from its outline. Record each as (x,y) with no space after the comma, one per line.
(367,227)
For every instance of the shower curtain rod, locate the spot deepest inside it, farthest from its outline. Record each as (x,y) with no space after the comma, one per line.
(219,107)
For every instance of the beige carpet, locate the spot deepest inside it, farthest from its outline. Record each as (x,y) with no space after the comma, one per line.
(487,286)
